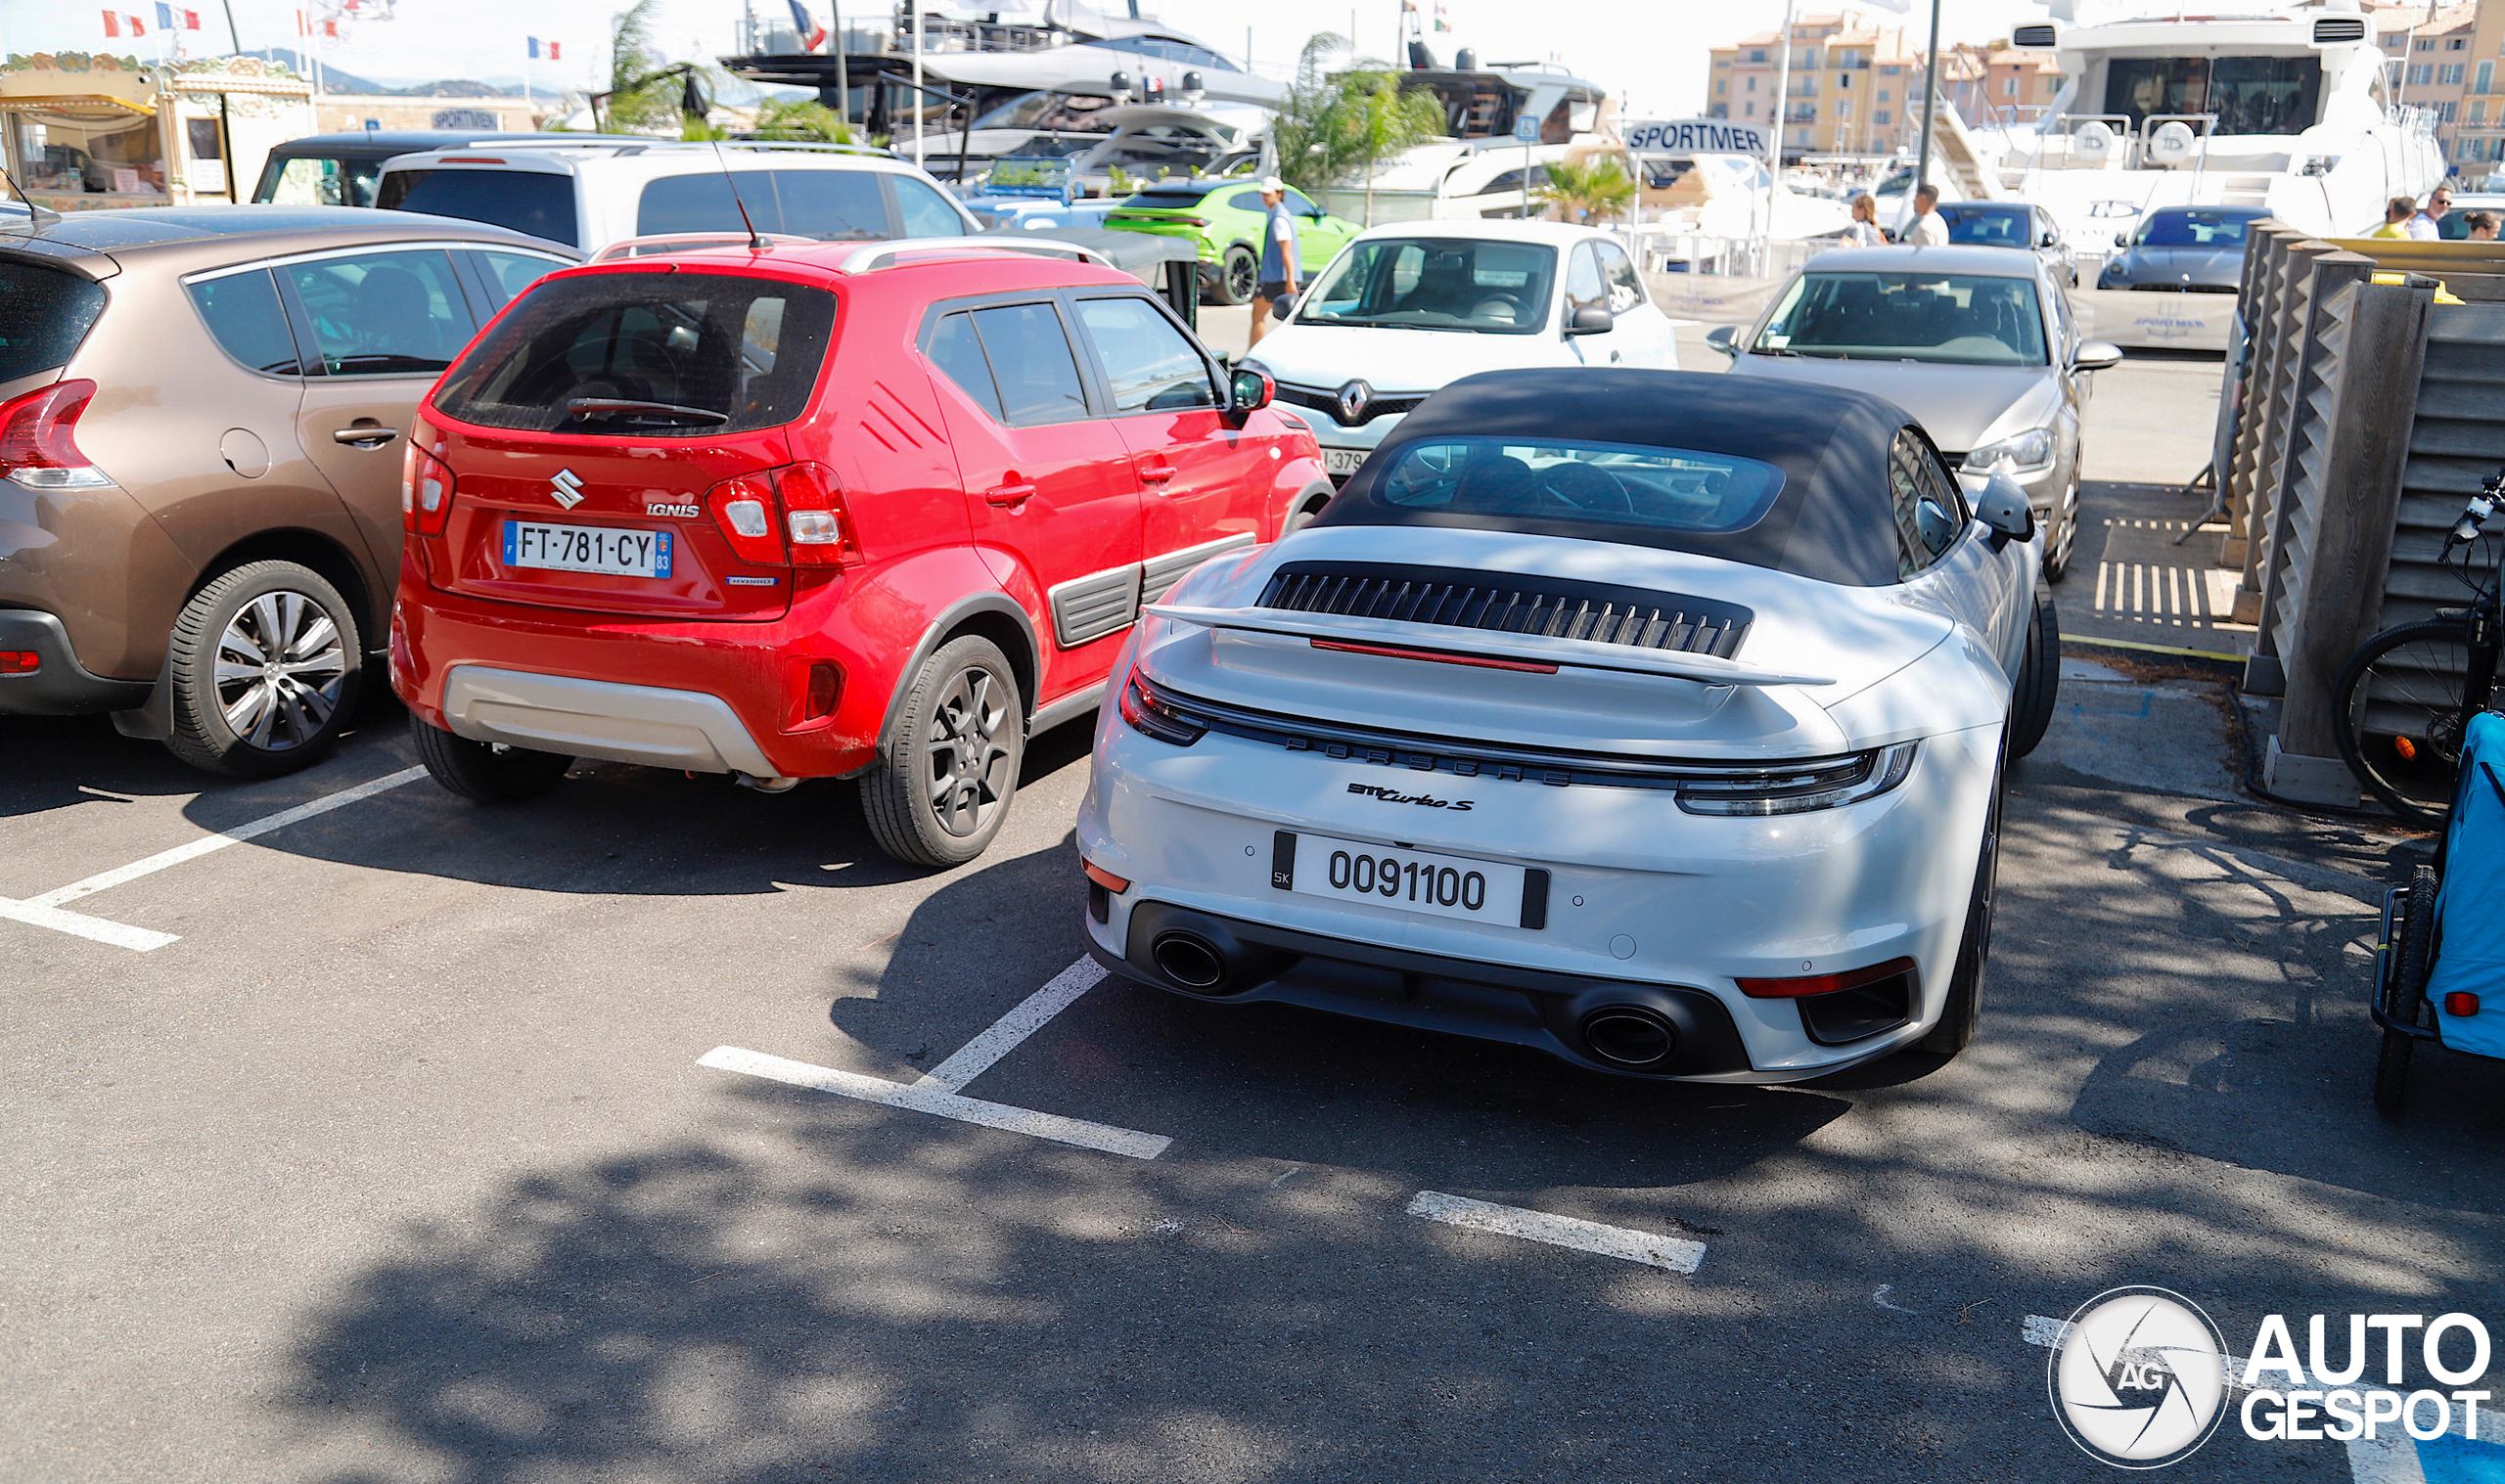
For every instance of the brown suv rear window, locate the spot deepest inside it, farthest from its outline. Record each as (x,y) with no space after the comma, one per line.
(44,313)
(646,355)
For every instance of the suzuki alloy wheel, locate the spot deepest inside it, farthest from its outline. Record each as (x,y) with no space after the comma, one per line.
(485,772)
(264,666)
(942,785)
(1239,276)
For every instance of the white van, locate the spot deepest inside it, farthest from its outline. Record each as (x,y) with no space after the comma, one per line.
(588,195)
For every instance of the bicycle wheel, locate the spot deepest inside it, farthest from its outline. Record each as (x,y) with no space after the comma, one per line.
(2399,703)
(2413,959)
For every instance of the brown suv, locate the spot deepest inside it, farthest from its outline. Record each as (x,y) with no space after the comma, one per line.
(202,414)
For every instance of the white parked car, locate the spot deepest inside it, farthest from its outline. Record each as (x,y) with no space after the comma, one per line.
(1652,720)
(1404,309)
(590,195)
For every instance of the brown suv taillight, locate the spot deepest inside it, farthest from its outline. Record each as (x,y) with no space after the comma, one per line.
(788,516)
(37,447)
(426,492)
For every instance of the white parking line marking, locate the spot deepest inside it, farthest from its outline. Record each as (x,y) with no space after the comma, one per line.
(118,934)
(1675,1254)
(975,1057)
(224,839)
(932,1097)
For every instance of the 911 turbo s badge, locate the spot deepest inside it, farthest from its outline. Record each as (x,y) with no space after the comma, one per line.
(565,490)
(1428,801)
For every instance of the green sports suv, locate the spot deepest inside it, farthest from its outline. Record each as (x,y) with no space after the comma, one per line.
(1223,220)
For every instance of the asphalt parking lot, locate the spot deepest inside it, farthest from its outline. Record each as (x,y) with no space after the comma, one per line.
(658,1130)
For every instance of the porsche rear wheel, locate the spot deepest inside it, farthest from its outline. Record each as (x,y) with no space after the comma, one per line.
(1958,1017)
(2040,677)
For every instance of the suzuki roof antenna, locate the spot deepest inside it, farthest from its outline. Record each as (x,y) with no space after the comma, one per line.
(756,241)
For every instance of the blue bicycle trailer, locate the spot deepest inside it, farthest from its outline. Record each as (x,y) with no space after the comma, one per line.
(2440,970)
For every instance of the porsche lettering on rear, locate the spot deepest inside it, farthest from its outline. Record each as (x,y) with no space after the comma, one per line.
(1395,796)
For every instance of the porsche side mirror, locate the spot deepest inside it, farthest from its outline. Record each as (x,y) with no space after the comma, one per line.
(1725,338)
(1591,319)
(1248,392)
(2003,507)
(2122,239)
(2096,355)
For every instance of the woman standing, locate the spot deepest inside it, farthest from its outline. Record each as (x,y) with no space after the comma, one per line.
(1864,231)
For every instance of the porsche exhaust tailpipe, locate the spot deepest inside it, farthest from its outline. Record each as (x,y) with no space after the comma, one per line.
(1627,1035)
(1189,960)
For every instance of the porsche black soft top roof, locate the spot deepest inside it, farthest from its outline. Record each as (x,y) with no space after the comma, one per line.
(1832,521)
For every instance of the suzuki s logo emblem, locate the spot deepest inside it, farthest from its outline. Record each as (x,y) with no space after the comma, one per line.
(1354,400)
(565,490)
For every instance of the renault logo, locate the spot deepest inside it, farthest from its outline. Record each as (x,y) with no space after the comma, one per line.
(565,490)
(1353,399)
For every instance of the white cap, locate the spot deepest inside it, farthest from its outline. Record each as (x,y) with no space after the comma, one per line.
(1271,185)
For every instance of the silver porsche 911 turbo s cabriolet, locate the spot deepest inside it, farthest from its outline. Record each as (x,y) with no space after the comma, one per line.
(1654,720)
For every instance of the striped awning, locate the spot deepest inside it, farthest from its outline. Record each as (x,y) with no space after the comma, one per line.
(75,102)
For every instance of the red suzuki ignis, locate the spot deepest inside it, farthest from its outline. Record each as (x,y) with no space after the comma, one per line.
(822,511)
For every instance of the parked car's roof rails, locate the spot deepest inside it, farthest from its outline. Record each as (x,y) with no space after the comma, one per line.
(666,243)
(884,254)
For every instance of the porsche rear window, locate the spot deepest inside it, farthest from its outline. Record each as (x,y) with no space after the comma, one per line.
(1669,489)
(646,355)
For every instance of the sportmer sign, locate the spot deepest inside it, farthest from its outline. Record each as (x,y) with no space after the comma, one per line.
(1696,136)
(2140,1377)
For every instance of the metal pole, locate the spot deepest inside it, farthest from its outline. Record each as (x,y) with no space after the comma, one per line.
(915,6)
(1930,98)
(843,64)
(1782,86)
(231,35)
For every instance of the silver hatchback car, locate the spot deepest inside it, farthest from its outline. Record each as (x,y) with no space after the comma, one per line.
(1977,344)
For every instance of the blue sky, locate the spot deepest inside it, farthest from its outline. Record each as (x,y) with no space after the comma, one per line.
(1651,51)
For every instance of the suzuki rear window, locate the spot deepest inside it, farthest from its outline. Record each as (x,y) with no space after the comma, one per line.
(1673,489)
(44,313)
(526,200)
(646,355)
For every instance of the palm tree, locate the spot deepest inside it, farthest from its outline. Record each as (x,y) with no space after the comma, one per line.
(802,118)
(647,93)
(1594,191)
(1334,124)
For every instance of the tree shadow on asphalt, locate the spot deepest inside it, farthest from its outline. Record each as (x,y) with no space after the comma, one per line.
(606,829)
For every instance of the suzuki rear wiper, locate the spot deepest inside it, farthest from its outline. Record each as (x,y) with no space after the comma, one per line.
(599,409)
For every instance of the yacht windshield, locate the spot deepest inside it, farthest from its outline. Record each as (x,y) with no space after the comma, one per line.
(1955,319)
(2249,95)
(1435,283)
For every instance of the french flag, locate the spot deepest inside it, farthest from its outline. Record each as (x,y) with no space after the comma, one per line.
(812,35)
(122,24)
(547,49)
(168,19)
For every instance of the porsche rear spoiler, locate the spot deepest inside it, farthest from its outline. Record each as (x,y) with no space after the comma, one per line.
(1439,639)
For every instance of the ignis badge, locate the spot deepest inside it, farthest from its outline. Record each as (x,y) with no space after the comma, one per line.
(2137,1380)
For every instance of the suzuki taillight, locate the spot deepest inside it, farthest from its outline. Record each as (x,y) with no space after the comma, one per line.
(790,517)
(813,514)
(743,508)
(426,492)
(38,448)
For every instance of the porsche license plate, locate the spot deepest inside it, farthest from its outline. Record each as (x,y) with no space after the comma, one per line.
(1341,461)
(612,550)
(1413,880)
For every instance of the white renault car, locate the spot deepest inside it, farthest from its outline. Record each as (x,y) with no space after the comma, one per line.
(1405,309)
(1651,719)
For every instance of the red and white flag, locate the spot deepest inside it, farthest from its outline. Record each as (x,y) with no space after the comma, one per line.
(123,23)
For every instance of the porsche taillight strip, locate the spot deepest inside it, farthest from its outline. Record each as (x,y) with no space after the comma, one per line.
(1555,767)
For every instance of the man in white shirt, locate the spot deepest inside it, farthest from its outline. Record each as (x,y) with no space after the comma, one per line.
(2422,227)
(1930,229)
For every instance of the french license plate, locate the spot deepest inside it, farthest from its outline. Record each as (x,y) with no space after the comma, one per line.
(1414,880)
(614,550)
(1343,461)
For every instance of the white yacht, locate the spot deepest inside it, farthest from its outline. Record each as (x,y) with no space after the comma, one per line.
(2286,107)
(1478,169)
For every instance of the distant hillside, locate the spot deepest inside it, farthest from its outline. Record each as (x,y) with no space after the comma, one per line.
(337,81)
